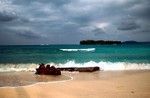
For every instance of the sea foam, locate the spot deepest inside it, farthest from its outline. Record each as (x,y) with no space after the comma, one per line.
(109,65)
(86,49)
(105,66)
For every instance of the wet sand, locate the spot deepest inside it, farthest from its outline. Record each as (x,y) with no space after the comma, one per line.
(100,84)
(13,79)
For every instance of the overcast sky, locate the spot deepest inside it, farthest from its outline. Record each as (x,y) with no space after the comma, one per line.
(69,21)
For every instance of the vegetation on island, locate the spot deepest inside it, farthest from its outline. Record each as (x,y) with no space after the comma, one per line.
(97,42)
(109,42)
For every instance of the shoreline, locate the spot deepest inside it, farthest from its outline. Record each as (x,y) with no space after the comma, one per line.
(120,84)
(67,76)
(104,66)
(23,79)
(30,85)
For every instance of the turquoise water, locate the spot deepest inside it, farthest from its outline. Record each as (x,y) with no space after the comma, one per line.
(23,55)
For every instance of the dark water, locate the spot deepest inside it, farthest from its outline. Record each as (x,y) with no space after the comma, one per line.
(74,54)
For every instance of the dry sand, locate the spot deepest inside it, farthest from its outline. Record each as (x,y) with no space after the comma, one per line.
(113,84)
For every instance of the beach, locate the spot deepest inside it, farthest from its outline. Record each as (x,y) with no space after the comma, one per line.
(74,49)
(124,71)
(99,84)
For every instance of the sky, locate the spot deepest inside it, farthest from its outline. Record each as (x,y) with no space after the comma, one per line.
(24,22)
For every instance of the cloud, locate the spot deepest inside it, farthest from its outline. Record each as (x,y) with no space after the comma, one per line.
(28,34)
(7,11)
(141,9)
(98,31)
(70,21)
(128,24)
(6,17)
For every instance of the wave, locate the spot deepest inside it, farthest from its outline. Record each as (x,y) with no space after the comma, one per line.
(105,66)
(18,67)
(109,65)
(86,49)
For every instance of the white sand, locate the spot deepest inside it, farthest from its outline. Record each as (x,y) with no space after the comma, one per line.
(119,84)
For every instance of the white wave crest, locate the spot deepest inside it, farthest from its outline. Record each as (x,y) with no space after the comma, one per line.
(17,67)
(106,66)
(109,65)
(87,49)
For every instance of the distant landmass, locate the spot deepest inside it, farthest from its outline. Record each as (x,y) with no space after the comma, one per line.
(130,42)
(107,42)
(96,42)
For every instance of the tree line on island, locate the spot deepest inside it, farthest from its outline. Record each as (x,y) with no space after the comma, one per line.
(105,42)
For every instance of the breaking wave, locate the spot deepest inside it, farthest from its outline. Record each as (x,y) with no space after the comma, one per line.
(105,66)
(87,49)
(109,65)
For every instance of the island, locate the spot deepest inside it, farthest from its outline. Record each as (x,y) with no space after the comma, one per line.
(99,42)
(109,42)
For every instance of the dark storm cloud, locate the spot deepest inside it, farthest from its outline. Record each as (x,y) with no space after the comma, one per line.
(6,16)
(140,9)
(128,24)
(69,21)
(98,31)
(28,34)
(54,2)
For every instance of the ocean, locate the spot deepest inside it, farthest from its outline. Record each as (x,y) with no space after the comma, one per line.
(107,57)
